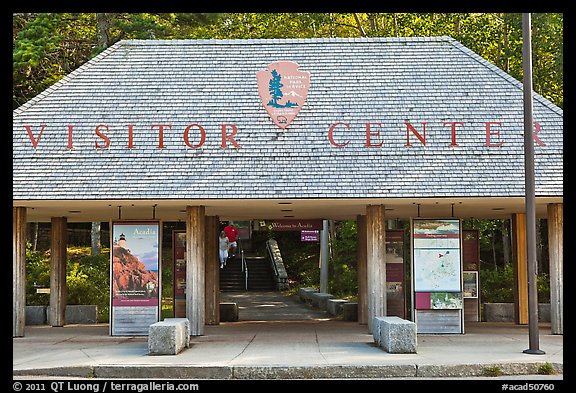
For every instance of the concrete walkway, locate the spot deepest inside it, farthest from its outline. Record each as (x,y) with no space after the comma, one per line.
(277,337)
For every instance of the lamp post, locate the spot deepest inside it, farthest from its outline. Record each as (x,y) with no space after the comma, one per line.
(529,188)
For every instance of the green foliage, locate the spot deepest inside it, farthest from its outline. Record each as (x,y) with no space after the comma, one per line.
(343,276)
(497,285)
(87,279)
(546,369)
(37,276)
(88,282)
(493,371)
(300,259)
(47,46)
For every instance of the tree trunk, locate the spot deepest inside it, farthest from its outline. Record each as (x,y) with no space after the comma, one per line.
(506,240)
(494,248)
(102,30)
(360,28)
(539,246)
(34,235)
(95,238)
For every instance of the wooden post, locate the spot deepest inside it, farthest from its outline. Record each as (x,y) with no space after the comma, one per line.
(556,257)
(361,269)
(376,262)
(212,309)
(58,259)
(520,265)
(195,267)
(18,271)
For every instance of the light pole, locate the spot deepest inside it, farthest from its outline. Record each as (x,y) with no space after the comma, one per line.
(529,188)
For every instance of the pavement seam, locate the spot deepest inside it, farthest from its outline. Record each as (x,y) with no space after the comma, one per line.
(231,366)
(318,345)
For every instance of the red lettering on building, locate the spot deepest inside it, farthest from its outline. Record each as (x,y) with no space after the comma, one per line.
(103,136)
(202,136)
(31,135)
(161,133)
(229,137)
(369,134)
(374,131)
(537,125)
(421,138)
(331,134)
(453,124)
(70,128)
(489,133)
(130,137)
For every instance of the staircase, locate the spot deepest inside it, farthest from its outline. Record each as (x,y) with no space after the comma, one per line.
(260,275)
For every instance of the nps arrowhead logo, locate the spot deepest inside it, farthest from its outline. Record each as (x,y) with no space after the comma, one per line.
(283,89)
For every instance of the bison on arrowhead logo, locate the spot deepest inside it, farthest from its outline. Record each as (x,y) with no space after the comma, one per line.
(283,89)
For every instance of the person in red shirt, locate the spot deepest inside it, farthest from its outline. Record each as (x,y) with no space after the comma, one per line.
(232,234)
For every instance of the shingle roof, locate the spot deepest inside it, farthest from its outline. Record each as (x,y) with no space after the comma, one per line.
(213,82)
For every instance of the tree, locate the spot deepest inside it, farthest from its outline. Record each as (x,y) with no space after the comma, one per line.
(47,46)
(275,89)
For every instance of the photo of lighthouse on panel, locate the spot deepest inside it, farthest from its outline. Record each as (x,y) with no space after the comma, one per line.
(134,277)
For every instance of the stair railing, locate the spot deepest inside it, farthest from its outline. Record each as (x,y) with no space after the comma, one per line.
(244,265)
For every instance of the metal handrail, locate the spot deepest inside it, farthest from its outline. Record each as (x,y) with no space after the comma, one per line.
(244,265)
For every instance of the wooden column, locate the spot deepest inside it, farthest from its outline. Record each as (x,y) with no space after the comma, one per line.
(556,258)
(195,267)
(361,269)
(520,265)
(18,271)
(375,262)
(212,293)
(58,259)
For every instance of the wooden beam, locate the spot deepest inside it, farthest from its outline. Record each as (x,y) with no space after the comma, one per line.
(520,266)
(361,269)
(58,259)
(376,262)
(195,275)
(212,286)
(18,271)
(556,260)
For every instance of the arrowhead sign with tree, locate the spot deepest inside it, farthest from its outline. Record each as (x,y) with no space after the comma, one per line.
(283,79)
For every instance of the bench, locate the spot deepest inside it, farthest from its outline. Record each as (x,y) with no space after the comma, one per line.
(394,334)
(169,337)
(320,299)
(305,294)
(334,306)
(350,312)
(229,312)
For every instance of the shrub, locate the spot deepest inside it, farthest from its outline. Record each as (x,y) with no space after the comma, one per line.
(87,279)
(497,285)
(546,369)
(88,282)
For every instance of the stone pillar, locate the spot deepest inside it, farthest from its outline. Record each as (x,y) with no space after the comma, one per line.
(556,257)
(376,262)
(18,271)
(361,270)
(58,259)
(212,277)
(195,268)
(520,265)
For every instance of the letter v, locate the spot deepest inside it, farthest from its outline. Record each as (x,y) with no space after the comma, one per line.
(31,136)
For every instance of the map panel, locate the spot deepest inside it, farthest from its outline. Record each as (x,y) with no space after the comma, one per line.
(437,255)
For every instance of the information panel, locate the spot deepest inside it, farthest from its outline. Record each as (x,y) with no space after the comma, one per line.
(437,275)
(134,277)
